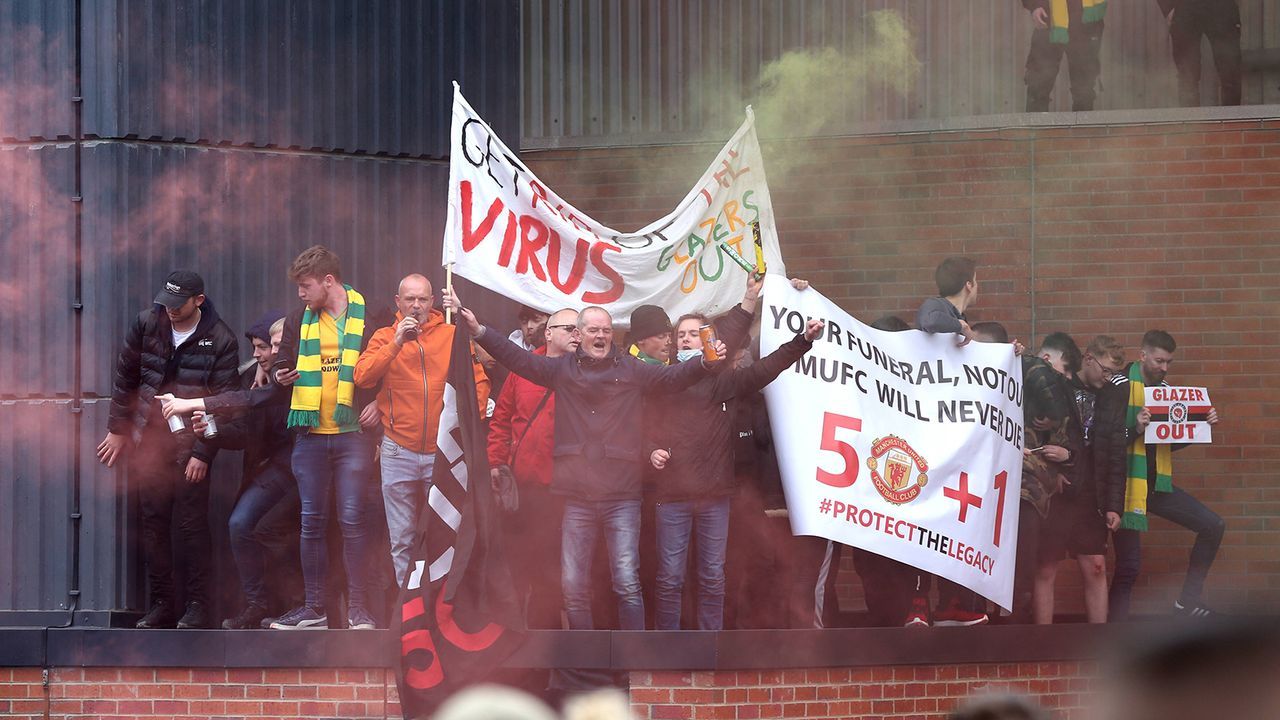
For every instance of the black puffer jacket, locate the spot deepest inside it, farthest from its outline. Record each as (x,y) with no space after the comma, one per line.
(149,365)
(698,431)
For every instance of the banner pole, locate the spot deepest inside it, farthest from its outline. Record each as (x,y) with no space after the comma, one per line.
(448,284)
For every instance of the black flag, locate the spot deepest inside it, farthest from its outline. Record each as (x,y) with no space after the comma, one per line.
(458,615)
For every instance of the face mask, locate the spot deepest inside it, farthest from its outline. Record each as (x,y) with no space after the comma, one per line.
(687,355)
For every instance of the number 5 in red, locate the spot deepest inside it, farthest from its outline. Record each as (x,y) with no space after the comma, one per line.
(1002,480)
(830,423)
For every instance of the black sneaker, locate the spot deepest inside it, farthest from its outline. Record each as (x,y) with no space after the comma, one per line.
(161,615)
(302,618)
(250,618)
(1193,610)
(196,617)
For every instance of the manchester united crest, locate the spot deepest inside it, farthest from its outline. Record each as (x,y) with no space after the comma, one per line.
(904,471)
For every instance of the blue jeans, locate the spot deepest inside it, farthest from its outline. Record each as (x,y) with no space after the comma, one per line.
(677,521)
(343,463)
(406,480)
(583,520)
(274,492)
(1181,508)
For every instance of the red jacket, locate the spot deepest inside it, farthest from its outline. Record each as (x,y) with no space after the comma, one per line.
(518,400)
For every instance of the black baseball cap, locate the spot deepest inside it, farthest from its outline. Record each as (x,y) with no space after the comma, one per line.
(180,286)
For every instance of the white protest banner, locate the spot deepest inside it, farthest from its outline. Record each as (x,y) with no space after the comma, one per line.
(511,233)
(1178,415)
(899,443)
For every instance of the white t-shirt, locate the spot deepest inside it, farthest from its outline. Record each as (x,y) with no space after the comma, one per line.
(181,337)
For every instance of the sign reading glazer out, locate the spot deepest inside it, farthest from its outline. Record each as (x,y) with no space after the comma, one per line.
(1178,415)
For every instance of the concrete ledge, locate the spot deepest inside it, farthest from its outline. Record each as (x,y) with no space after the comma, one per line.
(596,649)
(974,123)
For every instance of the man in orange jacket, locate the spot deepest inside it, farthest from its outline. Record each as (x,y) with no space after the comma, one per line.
(411,360)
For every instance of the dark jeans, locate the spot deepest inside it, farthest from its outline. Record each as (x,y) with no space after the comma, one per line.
(1177,507)
(887,586)
(532,548)
(1083,66)
(802,566)
(1220,22)
(344,463)
(170,505)
(1027,561)
(583,522)
(676,523)
(264,525)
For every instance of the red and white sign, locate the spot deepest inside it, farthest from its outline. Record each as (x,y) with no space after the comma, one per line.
(899,443)
(508,231)
(1178,415)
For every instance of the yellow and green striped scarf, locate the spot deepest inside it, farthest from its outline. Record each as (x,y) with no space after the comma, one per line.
(1059,22)
(304,408)
(1135,488)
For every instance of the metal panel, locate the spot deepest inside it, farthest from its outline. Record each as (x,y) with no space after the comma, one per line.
(239,218)
(685,69)
(35,484)
(110,553)
(36,272)
(333,75)
(37,69)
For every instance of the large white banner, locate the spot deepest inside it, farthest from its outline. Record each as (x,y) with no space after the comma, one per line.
(511,233)
(899,443)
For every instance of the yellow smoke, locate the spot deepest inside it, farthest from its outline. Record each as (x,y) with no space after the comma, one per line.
(812,91)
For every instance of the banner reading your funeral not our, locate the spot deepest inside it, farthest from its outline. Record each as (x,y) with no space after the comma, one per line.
(509,232)
(899,443)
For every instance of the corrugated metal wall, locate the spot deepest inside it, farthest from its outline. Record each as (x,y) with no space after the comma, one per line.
(220,136)
(338,75)
(599,71)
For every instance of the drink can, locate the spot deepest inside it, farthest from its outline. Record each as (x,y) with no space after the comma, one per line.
(708,335)
(177,425)
(211,427)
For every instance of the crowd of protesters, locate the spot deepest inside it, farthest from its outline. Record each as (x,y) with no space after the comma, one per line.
(644,471)
(1074,28)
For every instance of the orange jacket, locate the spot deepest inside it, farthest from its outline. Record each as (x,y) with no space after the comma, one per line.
(413,379)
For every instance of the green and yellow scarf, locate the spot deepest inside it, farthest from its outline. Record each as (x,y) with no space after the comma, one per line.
(1135,488)
(1059,22)
(304,408)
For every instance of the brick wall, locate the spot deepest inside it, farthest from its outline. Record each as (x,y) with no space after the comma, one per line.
(198,693)
(926,691)
(1091,229)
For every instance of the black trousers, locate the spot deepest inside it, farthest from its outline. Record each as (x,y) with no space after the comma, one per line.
(532,546)
(1220,22)
(1083,66)
(175,519)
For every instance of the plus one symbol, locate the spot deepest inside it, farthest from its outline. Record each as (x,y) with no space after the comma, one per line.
(963,496)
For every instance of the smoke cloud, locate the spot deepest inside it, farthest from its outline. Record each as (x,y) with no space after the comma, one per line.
(813,91)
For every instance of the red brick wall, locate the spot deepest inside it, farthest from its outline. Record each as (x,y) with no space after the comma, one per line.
(926,691)
(198,693)
(1092,229)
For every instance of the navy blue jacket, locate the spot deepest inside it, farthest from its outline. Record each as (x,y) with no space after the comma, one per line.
(599,434)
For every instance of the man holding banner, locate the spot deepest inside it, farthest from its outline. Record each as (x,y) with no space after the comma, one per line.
(598,456)
(1137,479)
